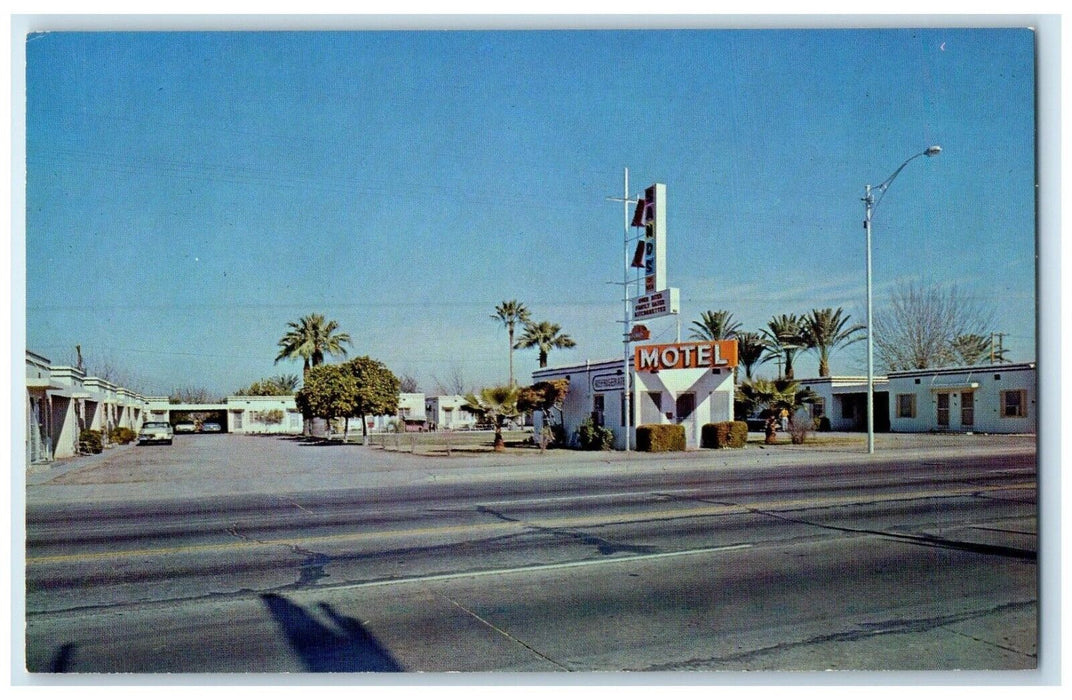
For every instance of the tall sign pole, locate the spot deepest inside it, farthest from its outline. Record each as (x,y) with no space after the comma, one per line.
(627,363)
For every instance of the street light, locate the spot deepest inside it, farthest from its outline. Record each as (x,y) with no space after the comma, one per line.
(870,204)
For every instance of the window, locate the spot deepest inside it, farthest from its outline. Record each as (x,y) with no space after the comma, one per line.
(598,407)
(1014,404)
(906,405)
(818,408)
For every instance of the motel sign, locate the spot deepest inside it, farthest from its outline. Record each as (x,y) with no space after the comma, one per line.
(699,355)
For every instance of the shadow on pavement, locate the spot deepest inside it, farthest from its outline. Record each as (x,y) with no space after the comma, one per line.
(343,647)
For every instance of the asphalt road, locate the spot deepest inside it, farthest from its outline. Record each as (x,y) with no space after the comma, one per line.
(243,554)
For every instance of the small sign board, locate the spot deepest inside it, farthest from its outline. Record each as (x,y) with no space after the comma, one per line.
(657,304)
(608,382)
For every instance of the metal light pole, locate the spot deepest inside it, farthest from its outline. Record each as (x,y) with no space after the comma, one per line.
(870,204)
(627,373)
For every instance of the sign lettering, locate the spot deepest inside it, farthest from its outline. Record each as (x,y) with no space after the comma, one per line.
(699,355)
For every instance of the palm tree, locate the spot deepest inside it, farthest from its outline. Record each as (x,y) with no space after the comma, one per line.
(286,382)
(825,330)
(545,336)
(751,349)
(785,338)
(970,348)
(715,325)
(772,395)
(511,313)
(495,404)
(310,339)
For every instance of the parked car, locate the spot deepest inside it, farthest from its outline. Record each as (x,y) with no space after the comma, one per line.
(155,432)
(211,428)
(185,427)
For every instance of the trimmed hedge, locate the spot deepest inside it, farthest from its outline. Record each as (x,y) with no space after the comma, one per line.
(660,438)
(725,434)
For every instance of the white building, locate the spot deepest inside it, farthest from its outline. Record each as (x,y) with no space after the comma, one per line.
(411,410)
(690,384)
(445,413)
(984,399)
(259,415)
(61,402)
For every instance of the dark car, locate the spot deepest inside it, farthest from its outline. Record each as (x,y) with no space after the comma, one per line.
(211,428)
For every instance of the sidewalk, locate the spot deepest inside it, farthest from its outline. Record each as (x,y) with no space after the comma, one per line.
(208,466)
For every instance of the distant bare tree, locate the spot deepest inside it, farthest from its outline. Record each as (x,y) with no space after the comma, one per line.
(454,384)
(408,384)
(191,394)
(919,328)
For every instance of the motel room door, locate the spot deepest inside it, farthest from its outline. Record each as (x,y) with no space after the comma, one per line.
(685,414)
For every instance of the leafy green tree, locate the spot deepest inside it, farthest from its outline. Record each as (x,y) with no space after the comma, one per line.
(751,351)
(510,313)
(715,325)
(785,338)
(544,397)
(544,336)
(330,392)
(361,387)
(377,389)
(825,330)
(496,404)
(311,338)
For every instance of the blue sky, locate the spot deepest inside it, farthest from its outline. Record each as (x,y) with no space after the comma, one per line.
(188,194)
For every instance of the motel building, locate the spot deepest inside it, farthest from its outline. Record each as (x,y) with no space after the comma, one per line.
(689,384)
(982,399)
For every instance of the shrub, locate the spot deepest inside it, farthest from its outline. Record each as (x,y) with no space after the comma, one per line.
(594,437)
(90,442)
(123,436)
(822,424)
(798,431)
(660,438)
(725,434)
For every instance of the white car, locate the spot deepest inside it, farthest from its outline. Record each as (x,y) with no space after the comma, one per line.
(156,432)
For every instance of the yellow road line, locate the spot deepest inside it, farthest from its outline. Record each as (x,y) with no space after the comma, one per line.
(572,521)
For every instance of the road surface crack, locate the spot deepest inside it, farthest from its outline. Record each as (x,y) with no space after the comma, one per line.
(503,632)
(924,540)
(602,545)
(865,631)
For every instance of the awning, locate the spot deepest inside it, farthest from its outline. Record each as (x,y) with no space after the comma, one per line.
(955,386)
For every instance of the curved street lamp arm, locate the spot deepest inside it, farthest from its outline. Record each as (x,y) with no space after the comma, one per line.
(873,201)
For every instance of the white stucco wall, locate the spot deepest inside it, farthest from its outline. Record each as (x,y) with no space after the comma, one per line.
(986,384)
(712,389)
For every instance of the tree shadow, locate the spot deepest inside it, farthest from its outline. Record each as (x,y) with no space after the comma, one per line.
(344,647)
